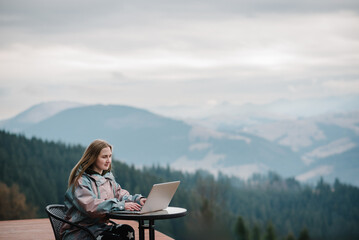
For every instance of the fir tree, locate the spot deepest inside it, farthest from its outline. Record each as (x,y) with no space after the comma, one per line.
(241,229)
(304,235)
(270,232)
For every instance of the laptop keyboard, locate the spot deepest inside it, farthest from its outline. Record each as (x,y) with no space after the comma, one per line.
(129,212)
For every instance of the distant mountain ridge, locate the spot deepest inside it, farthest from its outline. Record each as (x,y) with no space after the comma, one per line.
(143,138)
(36,114)
(249,113)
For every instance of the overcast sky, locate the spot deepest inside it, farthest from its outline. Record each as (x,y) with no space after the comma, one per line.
(176,53)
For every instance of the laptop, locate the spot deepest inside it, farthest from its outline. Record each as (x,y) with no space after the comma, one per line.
(158,199)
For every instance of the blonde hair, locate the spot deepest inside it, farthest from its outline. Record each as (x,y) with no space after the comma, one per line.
(87,160)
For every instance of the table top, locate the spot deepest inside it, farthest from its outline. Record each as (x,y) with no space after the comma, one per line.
(170,212)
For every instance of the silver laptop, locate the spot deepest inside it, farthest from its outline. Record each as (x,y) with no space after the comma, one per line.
(158,199)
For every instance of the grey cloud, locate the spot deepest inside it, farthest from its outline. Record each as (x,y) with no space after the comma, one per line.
(3,92)
(203,49)
(88,14)
(119,25)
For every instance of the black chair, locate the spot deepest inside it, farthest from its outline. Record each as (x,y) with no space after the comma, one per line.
(56,214)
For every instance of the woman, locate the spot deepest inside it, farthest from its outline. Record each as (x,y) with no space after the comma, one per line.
(92,192)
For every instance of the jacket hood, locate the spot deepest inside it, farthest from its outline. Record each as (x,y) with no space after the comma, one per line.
(96,177)
(100,179)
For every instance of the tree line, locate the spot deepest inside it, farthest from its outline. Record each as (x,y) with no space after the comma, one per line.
(34,174)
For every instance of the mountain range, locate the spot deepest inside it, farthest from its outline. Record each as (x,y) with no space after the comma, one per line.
(306,148)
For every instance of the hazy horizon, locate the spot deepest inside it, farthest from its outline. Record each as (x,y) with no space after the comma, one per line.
(278,109)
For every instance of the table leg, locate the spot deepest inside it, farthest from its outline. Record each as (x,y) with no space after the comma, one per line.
(141,230)
(151,229)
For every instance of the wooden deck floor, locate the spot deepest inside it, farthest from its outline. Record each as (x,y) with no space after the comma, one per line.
(41,229)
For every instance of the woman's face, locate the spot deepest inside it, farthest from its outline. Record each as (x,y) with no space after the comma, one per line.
(103,161)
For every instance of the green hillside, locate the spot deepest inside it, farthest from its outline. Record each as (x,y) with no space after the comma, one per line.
(34,173)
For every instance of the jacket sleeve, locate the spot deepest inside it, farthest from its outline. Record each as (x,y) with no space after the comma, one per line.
(89,203)
(124,196)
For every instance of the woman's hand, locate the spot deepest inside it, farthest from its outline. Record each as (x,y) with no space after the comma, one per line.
(132,206)
(142,201)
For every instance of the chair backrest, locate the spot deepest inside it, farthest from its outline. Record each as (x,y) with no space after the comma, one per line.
(56,213)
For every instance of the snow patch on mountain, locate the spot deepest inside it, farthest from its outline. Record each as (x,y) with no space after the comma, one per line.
(316,172)
(295,134)
(200,146)
(206,133)
(212,163)
(335,147)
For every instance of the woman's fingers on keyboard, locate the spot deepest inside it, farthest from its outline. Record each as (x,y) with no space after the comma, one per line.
(132,206)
